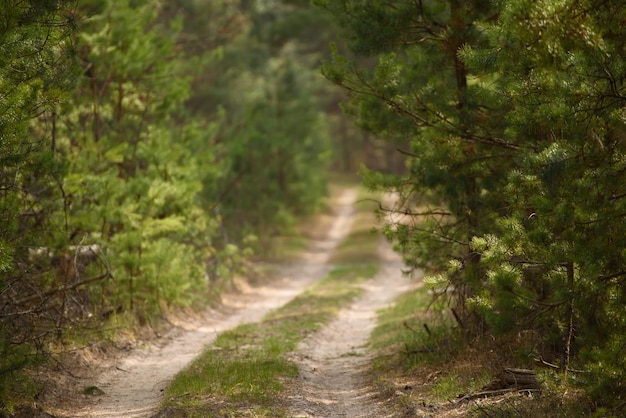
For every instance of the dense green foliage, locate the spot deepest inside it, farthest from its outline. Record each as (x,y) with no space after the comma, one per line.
(135,171)
(143,146)
(274,136)
(515,196)
(35,74)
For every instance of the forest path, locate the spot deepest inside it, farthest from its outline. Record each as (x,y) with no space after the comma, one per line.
(332,380)
(134,385)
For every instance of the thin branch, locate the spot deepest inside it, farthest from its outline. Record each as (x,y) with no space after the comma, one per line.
(445,238)
(537,302)
(408,212)
(64,288)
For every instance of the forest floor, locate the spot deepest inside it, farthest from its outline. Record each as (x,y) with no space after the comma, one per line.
(131,381)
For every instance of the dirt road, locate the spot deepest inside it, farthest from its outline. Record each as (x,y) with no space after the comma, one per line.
(330,361)
(332,381)
(134,386)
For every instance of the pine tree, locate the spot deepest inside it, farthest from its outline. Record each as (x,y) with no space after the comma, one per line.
(556,260)
(274,139)
(138,161)
(419,88)
(36,72)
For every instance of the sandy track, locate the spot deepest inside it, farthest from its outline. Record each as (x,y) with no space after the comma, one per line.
(332,381)
(135,385)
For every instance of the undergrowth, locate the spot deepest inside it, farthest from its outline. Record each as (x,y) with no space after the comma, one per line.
(427,364)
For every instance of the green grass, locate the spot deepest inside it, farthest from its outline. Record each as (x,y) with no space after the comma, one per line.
(421,348)
(360,246)
(292,242)
(287,246)
(415,327)
(363,241)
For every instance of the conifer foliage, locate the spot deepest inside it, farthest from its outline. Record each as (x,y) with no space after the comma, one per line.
(516,114)
(36,71)
(135,175)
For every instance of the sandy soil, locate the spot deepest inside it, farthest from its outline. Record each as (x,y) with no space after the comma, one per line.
(134,384)
(332,379)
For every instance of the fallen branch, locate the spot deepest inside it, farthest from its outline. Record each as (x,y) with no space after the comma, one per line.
(515,379)
(490,393)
